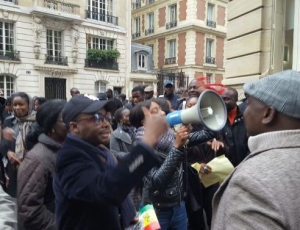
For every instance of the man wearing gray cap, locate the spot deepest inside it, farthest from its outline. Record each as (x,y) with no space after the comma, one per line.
(263,191)
(149,93)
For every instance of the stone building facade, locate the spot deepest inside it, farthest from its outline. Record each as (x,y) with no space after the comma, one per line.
(263,38)
(187,36)
(44,46)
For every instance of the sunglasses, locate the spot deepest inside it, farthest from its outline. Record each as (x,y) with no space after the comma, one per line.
(98,118)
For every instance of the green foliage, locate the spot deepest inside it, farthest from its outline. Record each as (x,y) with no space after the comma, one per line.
(99,55)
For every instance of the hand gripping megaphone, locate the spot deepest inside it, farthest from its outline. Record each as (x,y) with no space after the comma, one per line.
(210,111)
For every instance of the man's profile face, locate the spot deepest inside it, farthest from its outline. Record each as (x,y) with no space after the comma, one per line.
(109,94)
(253,116)
(169,89)
(75,92)
(137,97)
(149,95)
(229,99)
(195,88)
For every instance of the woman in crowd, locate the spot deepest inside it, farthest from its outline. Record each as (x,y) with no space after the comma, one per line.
(164,184)
(35,175)
(38,101)
(122,138)
(203,154)
(15,129)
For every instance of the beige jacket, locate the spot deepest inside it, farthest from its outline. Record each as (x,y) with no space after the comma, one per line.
(263,192)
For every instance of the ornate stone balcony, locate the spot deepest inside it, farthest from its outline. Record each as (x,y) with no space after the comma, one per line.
(57,9)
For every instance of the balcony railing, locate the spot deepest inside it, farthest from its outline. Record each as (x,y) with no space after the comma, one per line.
(102,17)
(171,24)
(149,1)
(10,55)
(12,1)
(136,5)
(149,31)
(57,6)
(136,35)
(211,23)
(104,64)
(56,60)
(171,60)
(210,60)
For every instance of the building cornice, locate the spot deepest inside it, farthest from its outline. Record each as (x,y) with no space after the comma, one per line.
(55,68)
(103,26)
(180,30)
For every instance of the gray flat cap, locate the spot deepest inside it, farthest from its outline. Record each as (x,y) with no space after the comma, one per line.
(280,91)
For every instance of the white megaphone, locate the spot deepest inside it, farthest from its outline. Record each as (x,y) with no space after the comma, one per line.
(210,111)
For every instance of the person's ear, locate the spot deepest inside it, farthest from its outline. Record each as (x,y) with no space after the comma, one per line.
(73,127)
(269,115)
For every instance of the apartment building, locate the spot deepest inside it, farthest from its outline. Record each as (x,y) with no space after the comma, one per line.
(263,38)
(187,37)
(49,46)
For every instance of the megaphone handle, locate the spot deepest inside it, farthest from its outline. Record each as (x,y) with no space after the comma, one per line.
(177,126)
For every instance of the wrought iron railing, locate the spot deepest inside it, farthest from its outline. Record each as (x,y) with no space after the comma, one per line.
(211,23)
(136,35)
(210,60)
(171,24)
(150,1)
(136,5)
(56,60)
(171,60)
(149,31)
(104,64)
(10,55)
(102,17)
(12,1)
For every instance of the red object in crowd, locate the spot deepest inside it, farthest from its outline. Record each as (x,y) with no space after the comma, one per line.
(217,87)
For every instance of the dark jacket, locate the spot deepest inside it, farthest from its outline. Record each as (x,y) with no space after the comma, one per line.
(235,137)
(35,191)
(173,100)
(88,191)
(164,184)
(120,141)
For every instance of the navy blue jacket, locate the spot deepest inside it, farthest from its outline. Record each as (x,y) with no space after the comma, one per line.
(88,191)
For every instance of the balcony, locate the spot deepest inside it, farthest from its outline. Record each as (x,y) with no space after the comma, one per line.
(56,60)
(136,35)
(102,17)
(136,5)
(12,1)
(171,60)
(149,31)
(149,2)
(210,60)
(104,64)
(211,23)
(171,24)
(57,9)
(10,55)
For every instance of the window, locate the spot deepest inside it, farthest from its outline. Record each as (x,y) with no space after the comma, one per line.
(100,87)
(209,51)
(54,43)
(210,15)
(99,43)
(6,37)
(142,61)
(7,85)
(101,10)
(173,13)
(151,20)
(209,77)
(172,48)
(137,24)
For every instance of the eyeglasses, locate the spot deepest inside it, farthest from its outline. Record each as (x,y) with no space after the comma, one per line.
(98,118)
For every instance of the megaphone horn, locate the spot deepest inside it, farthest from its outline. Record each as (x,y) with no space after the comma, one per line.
(210,111)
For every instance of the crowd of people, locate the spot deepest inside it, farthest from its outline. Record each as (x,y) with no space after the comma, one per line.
(92,162)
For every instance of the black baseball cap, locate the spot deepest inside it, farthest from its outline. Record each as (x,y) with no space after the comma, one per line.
(85,103)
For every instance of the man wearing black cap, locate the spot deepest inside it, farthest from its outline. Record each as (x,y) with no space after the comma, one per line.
(90,187)
(170,96)
(263,191)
